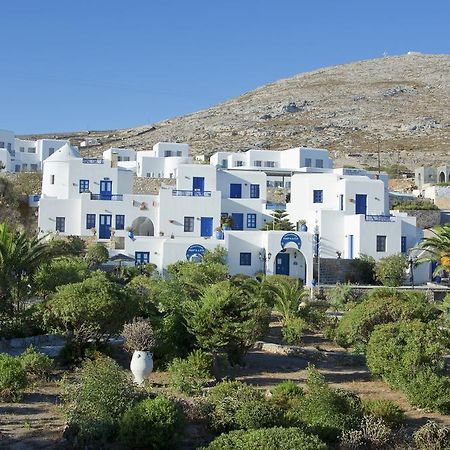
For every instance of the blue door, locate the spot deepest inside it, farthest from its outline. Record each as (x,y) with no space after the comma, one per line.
(350,246)
(141,258)
(235,190)
(282,264)
(361,204)
(238,221)
(104,231)
(105,189)
(206,226)
(198,185)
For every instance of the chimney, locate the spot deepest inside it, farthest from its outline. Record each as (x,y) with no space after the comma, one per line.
(114,159)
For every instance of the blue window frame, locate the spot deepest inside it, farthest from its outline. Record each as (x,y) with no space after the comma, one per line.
(245,259)
(254,191)
(120,221)
(317,196)
(141,257)
(60,224)
(84,186)
(235,190)
(403,244)
(251,220)
(90,221)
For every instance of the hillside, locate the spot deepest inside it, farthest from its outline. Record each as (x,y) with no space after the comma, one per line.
(402,101)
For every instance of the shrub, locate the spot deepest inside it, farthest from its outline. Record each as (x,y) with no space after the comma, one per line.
(13,378)
(293,330)
(373,434)
(96,254)
(363,270)
(191,374)
(386,410)
(432,436)
(286,391)
(381,306)
(37,365)
(151,423)
(97,399)
(267,439)
(391,270)
(323,410)
(138,335)
(341,296)
(258,413)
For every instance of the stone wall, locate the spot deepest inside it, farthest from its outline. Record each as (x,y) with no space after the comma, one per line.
(334,270)
(426,218)
(49,344)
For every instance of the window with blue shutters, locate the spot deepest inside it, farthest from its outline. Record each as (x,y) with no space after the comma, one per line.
(141,257)
(84,186)
(251,220)
(317,196)
(403,244)
(120,222)
(245,259)
(235,190)
(90,221)
(60,224)
(254,191)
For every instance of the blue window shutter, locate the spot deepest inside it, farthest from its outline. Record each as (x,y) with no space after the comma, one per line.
(403,244)
(254,191)
(317,196)
(251,220)
(235,190)
(90,221)
(83,186)
(245,259)
(120,222)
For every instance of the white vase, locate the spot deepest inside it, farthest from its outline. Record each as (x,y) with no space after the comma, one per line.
(141,365)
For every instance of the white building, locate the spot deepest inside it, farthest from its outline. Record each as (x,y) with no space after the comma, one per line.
(19,155)
(346,211)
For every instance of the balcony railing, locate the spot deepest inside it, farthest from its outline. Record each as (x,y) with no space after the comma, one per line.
(273,206)
(188,193)
(379,218)
(92,161)
(114,197)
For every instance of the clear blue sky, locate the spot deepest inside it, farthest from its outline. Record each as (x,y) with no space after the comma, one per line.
(103,64)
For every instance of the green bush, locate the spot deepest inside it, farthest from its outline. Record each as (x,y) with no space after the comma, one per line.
(286,391)
(386,410)
(293,330)
(190,375)
(267,439)
(362,270)
(151,424)
(432,436)
(391,270)
(373,434)
(323,410)
(96,400)
(341,296)
(37,365)
(96,254)
(13,378)
(414,205)
(258,414)
(380,306)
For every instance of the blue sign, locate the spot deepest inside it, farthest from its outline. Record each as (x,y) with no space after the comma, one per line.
(195,249)
(291,237)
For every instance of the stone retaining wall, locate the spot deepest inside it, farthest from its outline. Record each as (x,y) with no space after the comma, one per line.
(426,218)
(51,344)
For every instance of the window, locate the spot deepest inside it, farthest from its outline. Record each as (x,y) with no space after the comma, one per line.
(179,153)
(22,149)
(254,191)
(141,257)
(51,150)
(2,144)
(235,190)
(52,179)
(31,149)
(8,145)
(319,163)
(251,220)
(381,243)
(188,224)
(24,167)
(167,153)
(308,162)
(224,163)
(403,244)
(90,221)
(34,167)
(317,196)
(120,222)
(84,186)
(245,259)
(125,158)
(257,163)
(341,202)
(269,163)
(238,163)
(61,224)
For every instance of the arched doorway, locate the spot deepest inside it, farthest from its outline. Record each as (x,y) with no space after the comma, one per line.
(442,177)
(290,262)
(143,226)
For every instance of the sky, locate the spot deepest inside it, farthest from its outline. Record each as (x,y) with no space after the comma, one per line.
(105,64)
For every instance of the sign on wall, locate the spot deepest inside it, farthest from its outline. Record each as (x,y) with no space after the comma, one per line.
(291,237)
(196,250)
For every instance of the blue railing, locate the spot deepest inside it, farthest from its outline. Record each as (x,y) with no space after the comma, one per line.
(116,197)
(271,205)
(379,218)
(188,193)
(92,161)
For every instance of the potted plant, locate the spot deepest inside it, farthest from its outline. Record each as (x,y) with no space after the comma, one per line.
(219,233)
(130,232)
(139,339)
(226,222)
(301,224)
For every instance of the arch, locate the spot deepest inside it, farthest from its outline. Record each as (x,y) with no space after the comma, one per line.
(448,177)
(442,177)
(290,262)
(143,226)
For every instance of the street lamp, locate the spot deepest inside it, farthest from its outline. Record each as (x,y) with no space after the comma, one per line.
(264,258)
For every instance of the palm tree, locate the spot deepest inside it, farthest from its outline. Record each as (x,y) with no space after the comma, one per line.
(436,248)
(20,256)
(289,295)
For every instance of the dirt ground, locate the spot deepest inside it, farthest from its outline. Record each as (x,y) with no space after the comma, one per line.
(37,423)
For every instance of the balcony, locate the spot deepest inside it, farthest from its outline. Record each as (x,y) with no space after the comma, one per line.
(188,193)
(114,197)
(274,206)
(379,218)
(92,161)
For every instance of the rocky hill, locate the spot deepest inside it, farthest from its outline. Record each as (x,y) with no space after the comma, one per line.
(401,104)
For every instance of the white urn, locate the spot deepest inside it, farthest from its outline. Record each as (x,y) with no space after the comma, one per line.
(141,365)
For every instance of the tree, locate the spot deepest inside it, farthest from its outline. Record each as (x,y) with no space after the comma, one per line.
(391,270)
(289,294)
(96,254)
(436,248)
(280,222)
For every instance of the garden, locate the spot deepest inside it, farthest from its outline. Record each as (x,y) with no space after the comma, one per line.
(200,359)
